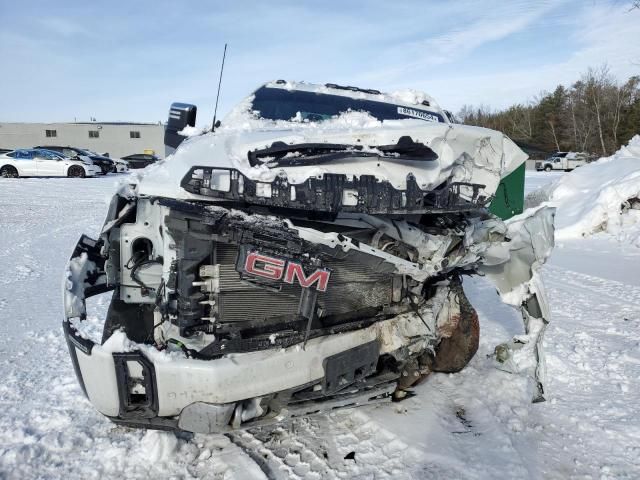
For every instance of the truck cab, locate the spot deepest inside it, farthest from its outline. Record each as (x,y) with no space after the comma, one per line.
(563,161)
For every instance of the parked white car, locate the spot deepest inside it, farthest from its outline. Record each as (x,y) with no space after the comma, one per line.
(122,166)
(38,162)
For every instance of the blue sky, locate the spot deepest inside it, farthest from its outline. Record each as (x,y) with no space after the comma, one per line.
(63,60)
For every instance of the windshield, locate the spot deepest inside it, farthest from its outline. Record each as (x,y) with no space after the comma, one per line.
(279,104)
(87,153)
(50,154)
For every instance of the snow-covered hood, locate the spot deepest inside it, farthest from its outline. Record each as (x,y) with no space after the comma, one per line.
(465,153)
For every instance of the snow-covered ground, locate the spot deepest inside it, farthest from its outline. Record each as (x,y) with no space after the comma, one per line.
(475,424)
(536,180)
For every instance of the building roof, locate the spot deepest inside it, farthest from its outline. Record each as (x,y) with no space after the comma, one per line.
(85,123)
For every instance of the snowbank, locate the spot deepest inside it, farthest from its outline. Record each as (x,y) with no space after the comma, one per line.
(599,197)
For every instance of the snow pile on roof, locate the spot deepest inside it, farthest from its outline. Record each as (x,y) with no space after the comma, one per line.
(603,196)
(242,119)
(410,95)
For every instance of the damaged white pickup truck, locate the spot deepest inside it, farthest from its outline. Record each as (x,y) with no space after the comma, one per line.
(308,255)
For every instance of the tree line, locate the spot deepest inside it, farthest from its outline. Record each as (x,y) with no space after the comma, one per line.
(597,114)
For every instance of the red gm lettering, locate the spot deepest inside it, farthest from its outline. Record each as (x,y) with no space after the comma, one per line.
(277,268)
(272,268)
(294,270)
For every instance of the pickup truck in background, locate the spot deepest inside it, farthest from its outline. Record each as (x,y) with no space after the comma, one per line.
(566,161)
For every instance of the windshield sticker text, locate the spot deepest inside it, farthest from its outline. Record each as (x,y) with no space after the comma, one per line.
(410,112)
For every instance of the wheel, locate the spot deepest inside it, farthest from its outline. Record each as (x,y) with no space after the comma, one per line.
(8,172)
(76,171)
(547,168)
(461,338)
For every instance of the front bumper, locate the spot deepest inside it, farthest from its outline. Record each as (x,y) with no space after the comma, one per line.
(138,385)
(92,171)
(105,167)
(167,392)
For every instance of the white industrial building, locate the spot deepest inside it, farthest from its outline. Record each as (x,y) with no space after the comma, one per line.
(118,139)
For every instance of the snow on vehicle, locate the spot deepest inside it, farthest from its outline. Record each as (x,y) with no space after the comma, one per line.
(39,162)
(565,161)
(305,256)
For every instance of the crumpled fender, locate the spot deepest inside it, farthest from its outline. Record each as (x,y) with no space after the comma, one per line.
(513,267)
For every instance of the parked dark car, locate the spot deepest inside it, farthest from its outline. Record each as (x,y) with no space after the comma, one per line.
(106,164)
(140,160)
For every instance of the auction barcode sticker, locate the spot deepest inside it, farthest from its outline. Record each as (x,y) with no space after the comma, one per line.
(410,112)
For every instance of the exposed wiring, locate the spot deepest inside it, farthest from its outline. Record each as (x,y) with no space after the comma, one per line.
(416,310)
(137,264)
(190,353)
(159,295)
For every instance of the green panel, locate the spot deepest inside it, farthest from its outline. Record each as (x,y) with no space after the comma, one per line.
(509,199)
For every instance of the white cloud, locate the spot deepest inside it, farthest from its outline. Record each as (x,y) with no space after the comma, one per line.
(598,34)
(495,24)
(462,32)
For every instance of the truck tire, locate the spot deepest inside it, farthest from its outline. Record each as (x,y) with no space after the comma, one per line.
(547,168)
(454,352)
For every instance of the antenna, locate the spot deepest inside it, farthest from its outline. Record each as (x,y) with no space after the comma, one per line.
(215,112)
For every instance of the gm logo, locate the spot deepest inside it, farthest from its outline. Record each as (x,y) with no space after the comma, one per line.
(289,271)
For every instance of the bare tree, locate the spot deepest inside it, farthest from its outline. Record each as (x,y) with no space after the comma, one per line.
(518,118)
(622,95)
(552,126)
(596,80)
(581,116)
